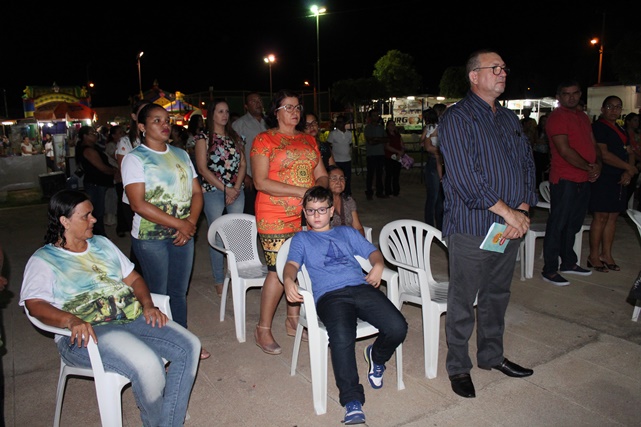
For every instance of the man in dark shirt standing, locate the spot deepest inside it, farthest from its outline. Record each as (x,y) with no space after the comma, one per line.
(490,178)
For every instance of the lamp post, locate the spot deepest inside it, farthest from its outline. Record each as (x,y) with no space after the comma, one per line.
(269,60)
(594,42)
(318,11)
(6,110)
(139,74)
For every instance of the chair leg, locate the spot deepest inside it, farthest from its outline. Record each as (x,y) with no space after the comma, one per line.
(400,384)
(431,326)
(522,259)
(297,340)
(109,394)
(318,353)
(60,393)
(238,297)
(636,312)
(529,255)
(578,243)
(223,298)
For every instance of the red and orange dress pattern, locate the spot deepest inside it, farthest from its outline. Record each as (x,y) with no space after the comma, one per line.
(292,160)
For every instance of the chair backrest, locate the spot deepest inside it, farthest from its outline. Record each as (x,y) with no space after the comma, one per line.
(239,235)
(544,189)
(635,216)
(407,244)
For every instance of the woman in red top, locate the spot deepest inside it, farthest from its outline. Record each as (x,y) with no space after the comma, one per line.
(285,162)
(394,150)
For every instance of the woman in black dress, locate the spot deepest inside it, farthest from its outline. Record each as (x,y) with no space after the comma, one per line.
(609,193)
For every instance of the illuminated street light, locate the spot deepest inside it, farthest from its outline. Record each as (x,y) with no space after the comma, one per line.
(594,42)
(317,12)
(139,74)
(269,60)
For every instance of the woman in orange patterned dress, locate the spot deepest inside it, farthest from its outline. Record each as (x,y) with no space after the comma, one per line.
(285,163)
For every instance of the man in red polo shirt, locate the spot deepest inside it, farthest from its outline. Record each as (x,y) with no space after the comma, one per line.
(576,162)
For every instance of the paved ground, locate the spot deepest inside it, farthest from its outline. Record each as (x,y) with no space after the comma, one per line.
(579,339)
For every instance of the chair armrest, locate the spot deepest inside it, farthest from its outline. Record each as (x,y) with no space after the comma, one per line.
(310,308)
(45,327)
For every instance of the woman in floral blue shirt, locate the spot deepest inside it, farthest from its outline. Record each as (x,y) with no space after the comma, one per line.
(221,163)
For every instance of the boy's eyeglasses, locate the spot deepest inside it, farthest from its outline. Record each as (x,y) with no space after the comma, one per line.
(320,211)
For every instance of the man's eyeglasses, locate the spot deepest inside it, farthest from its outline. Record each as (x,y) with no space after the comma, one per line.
(337,178)
(613,107)
(290,108)
(311,124)
(496,69)
(321,211)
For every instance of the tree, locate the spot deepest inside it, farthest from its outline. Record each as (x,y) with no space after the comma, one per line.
(626,60)
(395,70)
(454,83)
(356,94)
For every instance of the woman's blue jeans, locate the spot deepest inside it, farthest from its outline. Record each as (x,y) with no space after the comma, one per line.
(166,269)
(338,310)
(135,350)
(214,205)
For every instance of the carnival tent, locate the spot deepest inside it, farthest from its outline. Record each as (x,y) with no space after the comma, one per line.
(68,111)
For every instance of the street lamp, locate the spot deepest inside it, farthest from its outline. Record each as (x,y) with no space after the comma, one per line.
(269,60)
(139,75)
(594,42)
(318,11)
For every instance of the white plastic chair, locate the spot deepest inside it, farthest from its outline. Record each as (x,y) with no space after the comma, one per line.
(527,247)
(635,216)
(407,244)
(109,385)
(245,269)
(318,339)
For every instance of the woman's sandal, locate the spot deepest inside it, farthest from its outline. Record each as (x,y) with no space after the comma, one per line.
(219,289)
(272,348)
(204,354)
(291,331)
(603,268)
(613,267)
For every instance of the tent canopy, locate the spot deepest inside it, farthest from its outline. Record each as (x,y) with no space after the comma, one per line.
(64,111)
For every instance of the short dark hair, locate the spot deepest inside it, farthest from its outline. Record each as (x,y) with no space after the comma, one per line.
(318,193)
(271,120)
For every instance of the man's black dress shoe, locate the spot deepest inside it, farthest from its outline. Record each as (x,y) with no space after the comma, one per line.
(510,369)
(462,385)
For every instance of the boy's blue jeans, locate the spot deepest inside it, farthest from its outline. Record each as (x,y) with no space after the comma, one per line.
(338,310)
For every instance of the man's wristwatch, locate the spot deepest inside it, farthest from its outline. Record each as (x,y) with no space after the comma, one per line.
(524,212)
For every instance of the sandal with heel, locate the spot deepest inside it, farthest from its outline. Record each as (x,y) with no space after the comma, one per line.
(613,267)
(600,268)
(273,348)
(291,330)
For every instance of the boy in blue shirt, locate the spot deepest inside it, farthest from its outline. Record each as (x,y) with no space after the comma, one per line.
(343,293)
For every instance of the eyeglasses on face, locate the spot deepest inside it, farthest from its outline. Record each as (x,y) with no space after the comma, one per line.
(290,108)
(337,178)
(613,107)
(313,124)
(496,69)
(320,211)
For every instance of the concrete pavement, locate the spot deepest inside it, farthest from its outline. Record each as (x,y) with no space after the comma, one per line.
(579,339)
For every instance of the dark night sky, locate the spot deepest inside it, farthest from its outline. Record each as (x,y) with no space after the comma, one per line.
(223,46)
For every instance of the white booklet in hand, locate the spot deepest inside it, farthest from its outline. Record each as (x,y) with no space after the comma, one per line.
(494,240)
